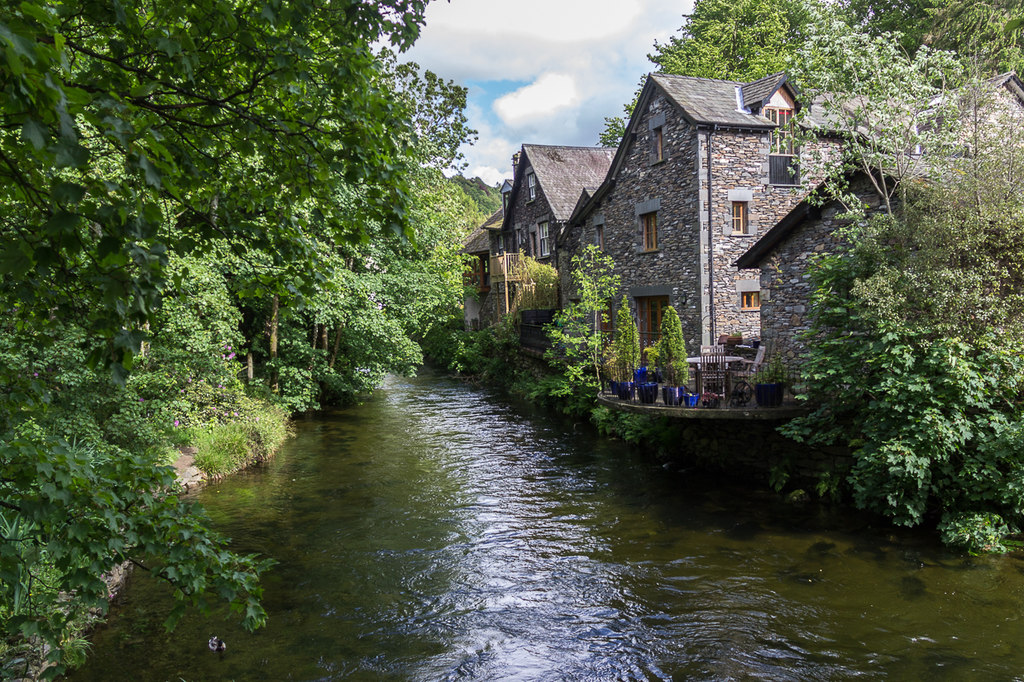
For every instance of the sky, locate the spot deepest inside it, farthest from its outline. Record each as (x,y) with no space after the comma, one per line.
(541,71)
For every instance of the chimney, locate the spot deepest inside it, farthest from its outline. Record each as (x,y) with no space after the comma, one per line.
(515,165)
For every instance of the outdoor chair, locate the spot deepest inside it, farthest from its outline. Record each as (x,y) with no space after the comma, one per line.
(750,367)
(713,372)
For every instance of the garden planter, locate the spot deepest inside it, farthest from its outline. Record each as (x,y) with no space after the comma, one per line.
(613,387)
(625,390)
(768,395)
(678,395)
(710,400)
(647,392)
(640,375)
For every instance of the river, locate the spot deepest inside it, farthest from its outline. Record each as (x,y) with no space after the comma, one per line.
(440,532)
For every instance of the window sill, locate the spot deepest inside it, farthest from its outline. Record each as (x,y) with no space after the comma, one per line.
(650,250)
(750,310)
(742,234)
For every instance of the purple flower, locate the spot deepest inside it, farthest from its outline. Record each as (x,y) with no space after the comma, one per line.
(175,422)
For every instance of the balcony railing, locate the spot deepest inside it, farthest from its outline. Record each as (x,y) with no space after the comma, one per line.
(504,267)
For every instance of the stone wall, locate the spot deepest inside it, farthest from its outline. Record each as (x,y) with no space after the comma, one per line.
(755,451)
(739,172)
(785,281)
(667,187)
(524,215)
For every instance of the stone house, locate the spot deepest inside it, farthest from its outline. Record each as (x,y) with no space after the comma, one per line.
(705,168)
(546,181)
(783,255)
(480,309)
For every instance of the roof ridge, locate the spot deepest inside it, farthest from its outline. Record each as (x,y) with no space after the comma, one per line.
(700,78)
(566,146)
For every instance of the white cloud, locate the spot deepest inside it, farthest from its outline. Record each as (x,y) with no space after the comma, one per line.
(580,60)
(548,94)
(553,20)
(492,176)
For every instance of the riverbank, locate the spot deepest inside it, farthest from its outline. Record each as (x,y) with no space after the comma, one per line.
(219,450)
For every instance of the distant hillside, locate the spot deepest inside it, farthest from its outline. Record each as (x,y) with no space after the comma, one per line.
(487,198)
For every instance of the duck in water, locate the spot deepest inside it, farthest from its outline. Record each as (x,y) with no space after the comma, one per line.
(217,644)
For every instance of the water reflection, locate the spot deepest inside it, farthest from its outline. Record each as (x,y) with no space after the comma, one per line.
(440,533)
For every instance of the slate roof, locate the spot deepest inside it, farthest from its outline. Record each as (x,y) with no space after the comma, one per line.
(714,102)
(479,240)
(757,93)
(707,101)
(563,171)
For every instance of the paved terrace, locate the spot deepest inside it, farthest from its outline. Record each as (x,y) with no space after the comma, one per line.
(784,412)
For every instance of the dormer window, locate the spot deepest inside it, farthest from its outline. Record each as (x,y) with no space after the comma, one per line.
(531,186)
(782,136)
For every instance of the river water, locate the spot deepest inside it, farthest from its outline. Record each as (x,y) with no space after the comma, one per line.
(439,532)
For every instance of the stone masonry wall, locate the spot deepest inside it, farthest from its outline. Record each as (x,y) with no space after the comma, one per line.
(669,188)
(525,214)
(785,281)
(739,172)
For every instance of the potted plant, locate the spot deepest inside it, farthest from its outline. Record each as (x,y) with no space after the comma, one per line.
(710,399)
(670,352)
(770,382)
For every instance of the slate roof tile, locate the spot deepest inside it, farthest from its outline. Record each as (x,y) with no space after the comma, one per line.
(563,171)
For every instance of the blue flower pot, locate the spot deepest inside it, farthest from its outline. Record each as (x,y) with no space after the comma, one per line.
(625,390)
(648,393)
(768,395)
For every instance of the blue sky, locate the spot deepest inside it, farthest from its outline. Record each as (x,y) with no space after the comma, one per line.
(541,71)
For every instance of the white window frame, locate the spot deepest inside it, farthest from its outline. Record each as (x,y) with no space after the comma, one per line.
(531,186)
(544,230)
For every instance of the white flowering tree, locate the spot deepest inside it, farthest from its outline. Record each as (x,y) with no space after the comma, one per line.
(898,114)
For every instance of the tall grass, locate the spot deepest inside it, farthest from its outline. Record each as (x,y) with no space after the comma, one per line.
(222,448)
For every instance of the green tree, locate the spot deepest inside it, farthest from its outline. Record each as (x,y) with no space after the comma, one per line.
(914,357)
(137,135)
(977,31)
(577,342)
(670,350)
(911,19)
(626,346)
(722,39)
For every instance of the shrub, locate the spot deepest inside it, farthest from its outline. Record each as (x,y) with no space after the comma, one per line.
(975,532)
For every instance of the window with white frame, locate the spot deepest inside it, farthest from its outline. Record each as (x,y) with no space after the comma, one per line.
(545,239)
(531,186)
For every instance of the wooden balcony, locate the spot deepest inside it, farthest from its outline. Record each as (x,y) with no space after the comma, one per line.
(504,267)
